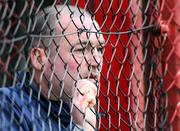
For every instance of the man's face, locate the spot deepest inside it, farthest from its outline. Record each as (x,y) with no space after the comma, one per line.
(78,56)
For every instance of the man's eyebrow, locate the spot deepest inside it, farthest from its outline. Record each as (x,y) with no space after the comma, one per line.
(86,43)
(81,43)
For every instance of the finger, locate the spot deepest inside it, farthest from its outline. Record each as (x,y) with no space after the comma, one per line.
(85,100)
(84,89)
(85,83)
(90,100)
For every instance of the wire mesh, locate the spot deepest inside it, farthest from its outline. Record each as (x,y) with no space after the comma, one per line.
(46,48)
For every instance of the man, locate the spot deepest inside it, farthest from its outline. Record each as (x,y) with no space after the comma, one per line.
(59,93)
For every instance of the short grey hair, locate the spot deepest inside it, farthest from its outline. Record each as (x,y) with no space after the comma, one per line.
(47,22)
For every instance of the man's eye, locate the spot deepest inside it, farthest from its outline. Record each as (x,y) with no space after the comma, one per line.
(80,50)
(101,50)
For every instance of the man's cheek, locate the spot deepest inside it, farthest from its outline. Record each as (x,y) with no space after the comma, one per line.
(72,66)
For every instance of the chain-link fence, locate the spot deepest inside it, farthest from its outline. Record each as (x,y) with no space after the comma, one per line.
(91,64)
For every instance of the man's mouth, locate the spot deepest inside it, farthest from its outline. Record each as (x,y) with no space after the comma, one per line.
(92,77)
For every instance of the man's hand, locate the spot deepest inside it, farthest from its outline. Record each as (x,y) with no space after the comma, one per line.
(83,101)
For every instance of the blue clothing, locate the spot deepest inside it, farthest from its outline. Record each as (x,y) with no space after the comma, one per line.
(22,107)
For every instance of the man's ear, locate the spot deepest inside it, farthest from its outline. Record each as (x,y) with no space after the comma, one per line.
(38,58)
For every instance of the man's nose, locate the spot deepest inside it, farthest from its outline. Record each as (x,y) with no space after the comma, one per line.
(96,57)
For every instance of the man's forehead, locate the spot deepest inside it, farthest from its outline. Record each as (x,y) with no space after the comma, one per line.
(78,21)
(81,29)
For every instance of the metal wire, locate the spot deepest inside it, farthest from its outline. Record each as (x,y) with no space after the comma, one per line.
(149,27)
(140,72)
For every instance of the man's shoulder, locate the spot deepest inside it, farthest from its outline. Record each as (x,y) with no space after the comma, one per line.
(10,107)
(8,91)
(9,95)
